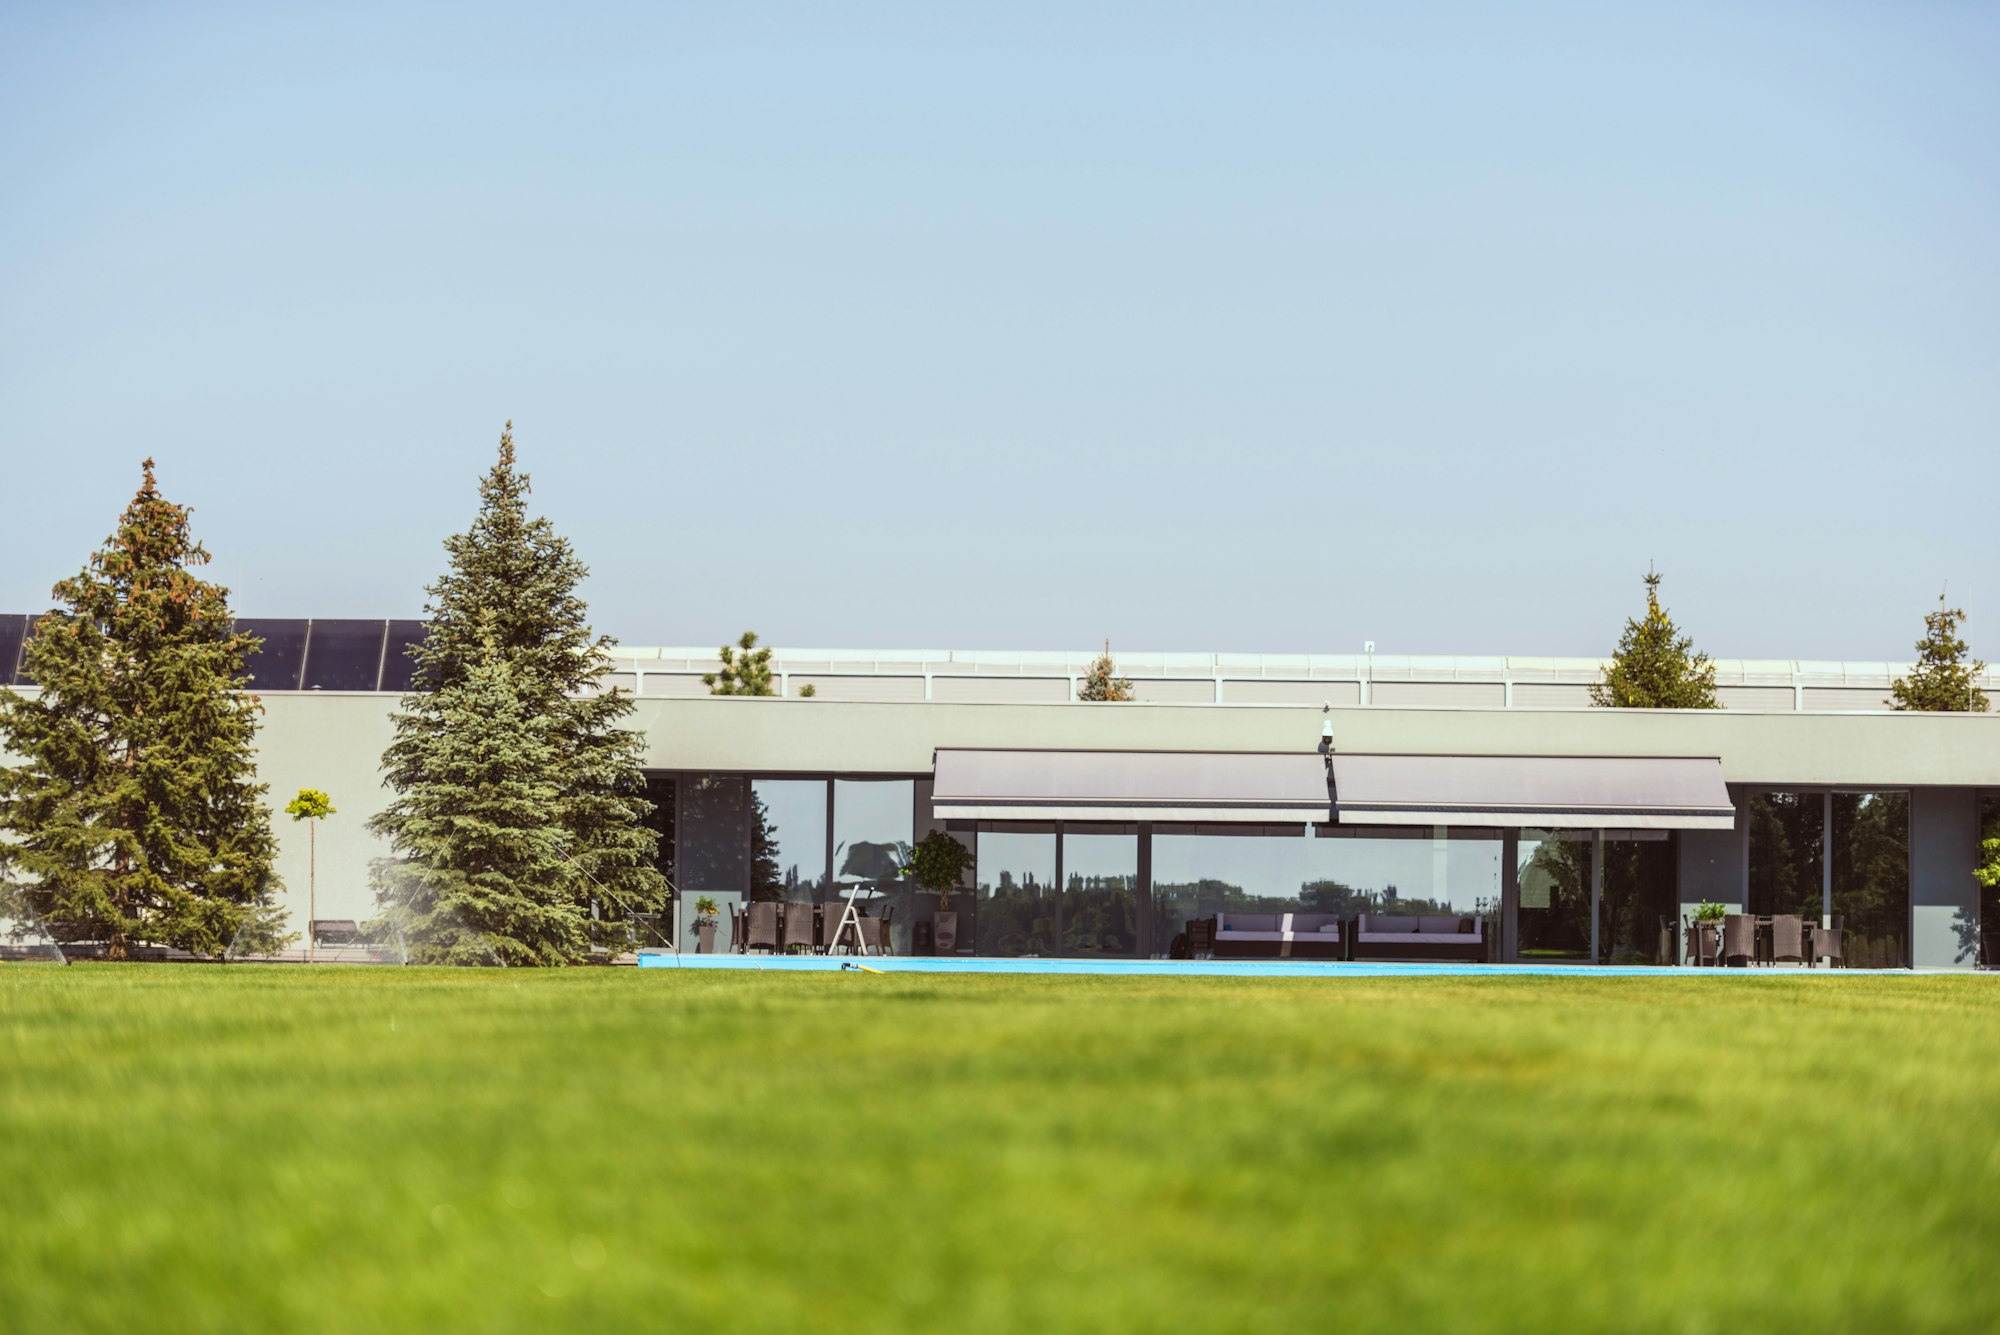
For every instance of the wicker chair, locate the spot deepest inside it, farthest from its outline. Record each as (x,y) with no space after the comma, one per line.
(875,933)
(1200,938)
(1788,931)
(798,933)
(1827,944)
(1739,938)
(761,933)
(739,928)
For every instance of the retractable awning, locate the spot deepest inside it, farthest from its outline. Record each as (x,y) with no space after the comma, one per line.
(1558,792)
(1249,787)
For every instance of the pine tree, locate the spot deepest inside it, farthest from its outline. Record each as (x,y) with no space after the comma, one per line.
(519,795)
(747,672)
(1102,682)
(1941,679)
(136,815)
(1654,666)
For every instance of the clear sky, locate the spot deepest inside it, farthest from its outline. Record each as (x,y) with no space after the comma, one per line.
(1199,327)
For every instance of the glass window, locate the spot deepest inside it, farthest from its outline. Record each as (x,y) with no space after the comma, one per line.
(1639,908)
(1786,844)
(275,666)
(13,632)
(872,821)
(1202,870)
(1015,912)
(1988,855)
(1100,900)
(398,668)
(344,656)
(1871,877)
(1553,921)
(788,840)
(712,847)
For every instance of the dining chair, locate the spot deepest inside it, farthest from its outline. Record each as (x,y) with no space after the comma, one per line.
(1828,943)
(762,931)
(1788,931)
(1739,938)
(798,928)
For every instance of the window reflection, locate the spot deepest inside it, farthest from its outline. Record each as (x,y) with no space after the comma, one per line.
(1871,877)
(1100,900)
(788,840)
(1199,871)
(1786,844)
(344,655)
(1553,921)
(872,820)
(1016,874)
(275,666)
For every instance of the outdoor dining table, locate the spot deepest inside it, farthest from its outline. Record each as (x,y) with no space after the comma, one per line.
(1761,935)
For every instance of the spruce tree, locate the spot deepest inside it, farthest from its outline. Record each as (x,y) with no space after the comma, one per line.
(1654,666)
(746,670)
(520,800)
(1102,682)
(135,815)
(1942,678)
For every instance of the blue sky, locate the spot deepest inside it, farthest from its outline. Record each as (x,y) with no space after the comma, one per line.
(1232,327)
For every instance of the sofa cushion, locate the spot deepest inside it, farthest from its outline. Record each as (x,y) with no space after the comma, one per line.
(1246,922)
(1388,922)
(1440,924)
(1315,922)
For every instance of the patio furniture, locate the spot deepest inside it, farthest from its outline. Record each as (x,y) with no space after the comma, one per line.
(739,928)
(1739,939)
(335,931)
(1428,936)
(762,930)
(1200,938)
(1277,936)
(875,933)
(1787,940)
(798,929)
(1827,943)
(1700,946)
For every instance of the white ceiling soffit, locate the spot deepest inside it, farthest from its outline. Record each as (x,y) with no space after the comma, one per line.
(1250,787)
(1577,792)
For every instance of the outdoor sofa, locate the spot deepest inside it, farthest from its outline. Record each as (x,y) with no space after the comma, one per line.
(1279,936)
(1427,936)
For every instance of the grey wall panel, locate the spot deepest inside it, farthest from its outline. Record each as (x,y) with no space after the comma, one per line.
(860,688)
(1432,694)
(1185,692)
(672,686)
(1837,698)
(1550,695)
(1944,899)
(1291,692)
(1001,690)
(1756,699)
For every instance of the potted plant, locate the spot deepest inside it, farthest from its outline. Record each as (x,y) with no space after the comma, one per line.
(937,863)
(705,913)
(1709,911)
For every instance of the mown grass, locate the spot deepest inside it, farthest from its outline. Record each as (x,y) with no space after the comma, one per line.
(337,1149)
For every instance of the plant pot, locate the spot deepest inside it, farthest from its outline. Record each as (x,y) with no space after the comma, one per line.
(944,931)
(704,937)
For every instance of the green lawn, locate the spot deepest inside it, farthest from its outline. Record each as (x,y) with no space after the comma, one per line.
(353,1149)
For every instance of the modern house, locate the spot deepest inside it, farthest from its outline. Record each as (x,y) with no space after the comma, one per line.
(1485,788)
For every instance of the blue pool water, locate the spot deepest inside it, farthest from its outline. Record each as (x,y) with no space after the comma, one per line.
(666,959)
